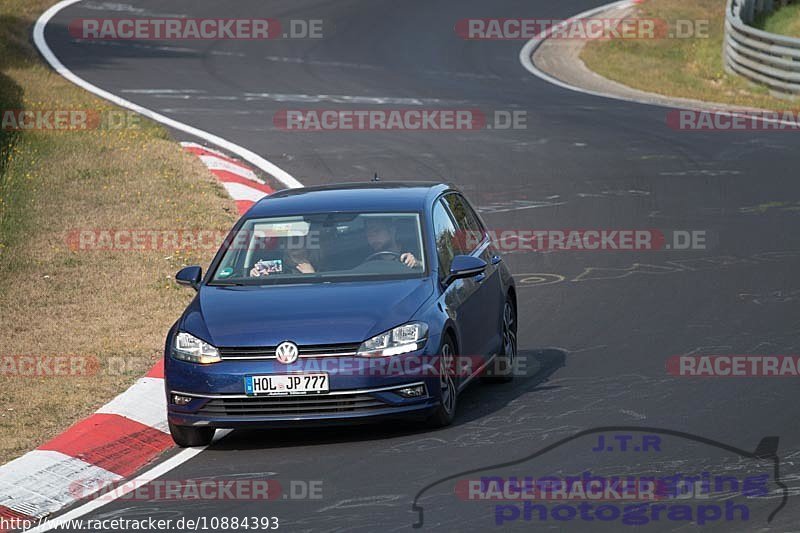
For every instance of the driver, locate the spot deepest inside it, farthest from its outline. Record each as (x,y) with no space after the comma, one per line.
(382,238)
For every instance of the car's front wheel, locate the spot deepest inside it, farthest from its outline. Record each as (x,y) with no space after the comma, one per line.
(446,411)
(185,436)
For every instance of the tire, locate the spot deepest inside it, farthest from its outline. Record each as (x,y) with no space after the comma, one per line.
(185,436)
(502,371)
(446,411)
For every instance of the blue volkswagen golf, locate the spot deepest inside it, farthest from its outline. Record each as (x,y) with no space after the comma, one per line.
(341,304)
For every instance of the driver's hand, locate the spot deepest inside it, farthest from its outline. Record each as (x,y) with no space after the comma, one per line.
(409,260)
(305,268)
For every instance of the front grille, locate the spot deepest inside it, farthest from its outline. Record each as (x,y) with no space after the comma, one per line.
(268,352)
(328,349)
(310,405)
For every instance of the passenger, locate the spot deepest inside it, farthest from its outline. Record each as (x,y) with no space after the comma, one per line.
(297,260)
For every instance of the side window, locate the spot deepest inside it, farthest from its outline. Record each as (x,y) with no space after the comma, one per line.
(469,227)
(445,233)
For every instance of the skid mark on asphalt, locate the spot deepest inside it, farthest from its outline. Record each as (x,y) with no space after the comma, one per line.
(507,205)
(702,264)
(316,99)
(765,207)
(633,414)
(580,401)
(137,46)
(365,501)
(516,205)
(703,173)
(614,193)
(127,8)
(742,342)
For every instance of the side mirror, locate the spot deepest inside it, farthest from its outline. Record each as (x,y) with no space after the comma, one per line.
(190,276)
(465,266)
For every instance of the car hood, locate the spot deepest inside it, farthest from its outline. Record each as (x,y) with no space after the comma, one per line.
(324,313)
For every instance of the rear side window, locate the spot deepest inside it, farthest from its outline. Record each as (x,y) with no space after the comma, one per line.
(445,234)
(470,230)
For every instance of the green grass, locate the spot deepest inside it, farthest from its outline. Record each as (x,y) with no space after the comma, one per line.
(688,67)
(58,301)
(784,21)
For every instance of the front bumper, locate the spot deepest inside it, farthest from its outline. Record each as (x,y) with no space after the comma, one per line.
(361,390)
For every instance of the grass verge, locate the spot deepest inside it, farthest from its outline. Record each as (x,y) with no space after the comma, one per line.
(55,301)
(685,67)
(784,21)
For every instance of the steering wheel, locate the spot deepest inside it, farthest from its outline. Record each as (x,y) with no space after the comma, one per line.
(376,255)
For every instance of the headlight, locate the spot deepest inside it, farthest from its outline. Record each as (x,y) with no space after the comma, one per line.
(402,339)
(190,348)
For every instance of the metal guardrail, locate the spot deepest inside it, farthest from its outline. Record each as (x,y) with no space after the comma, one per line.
(760,56)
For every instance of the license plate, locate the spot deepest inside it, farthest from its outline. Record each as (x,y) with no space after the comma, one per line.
(285,384)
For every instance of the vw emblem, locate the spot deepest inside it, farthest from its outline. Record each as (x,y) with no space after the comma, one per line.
(286,352)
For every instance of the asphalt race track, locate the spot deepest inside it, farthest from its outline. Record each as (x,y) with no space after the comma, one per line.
(596,328)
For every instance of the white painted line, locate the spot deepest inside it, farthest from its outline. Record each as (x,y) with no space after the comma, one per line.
(526,54)
(239,191)
(43,481)
(143,402)
(39,39)
(215,163)
(123,489)
(526,58)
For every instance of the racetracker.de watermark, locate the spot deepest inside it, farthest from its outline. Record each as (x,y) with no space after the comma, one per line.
(583,29)
(31,366)
(586,487)
(409,365)
(522,240)
(734,366)
(145,240)
(204,489)
(733,120)
(398,120)
(178,29)
(67,120)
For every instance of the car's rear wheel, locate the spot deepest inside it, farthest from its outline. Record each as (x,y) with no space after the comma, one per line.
(503,368)
(185,436)
(446,412)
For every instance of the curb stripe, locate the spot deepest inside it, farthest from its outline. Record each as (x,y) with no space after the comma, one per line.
(228,177)
(239,180)
(198,149)
(111,442)
(10,514)
(43,481)
(216,163)
(157,371)
(122,489)
(243,192)
(144,402)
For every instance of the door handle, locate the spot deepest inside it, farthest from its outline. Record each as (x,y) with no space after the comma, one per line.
(496,259)
(480,277)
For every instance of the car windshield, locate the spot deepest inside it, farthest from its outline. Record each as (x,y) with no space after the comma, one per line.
(325,247)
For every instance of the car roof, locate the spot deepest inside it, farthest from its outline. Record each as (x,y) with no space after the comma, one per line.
(372,196)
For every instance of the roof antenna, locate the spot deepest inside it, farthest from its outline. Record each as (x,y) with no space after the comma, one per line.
(375,177)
